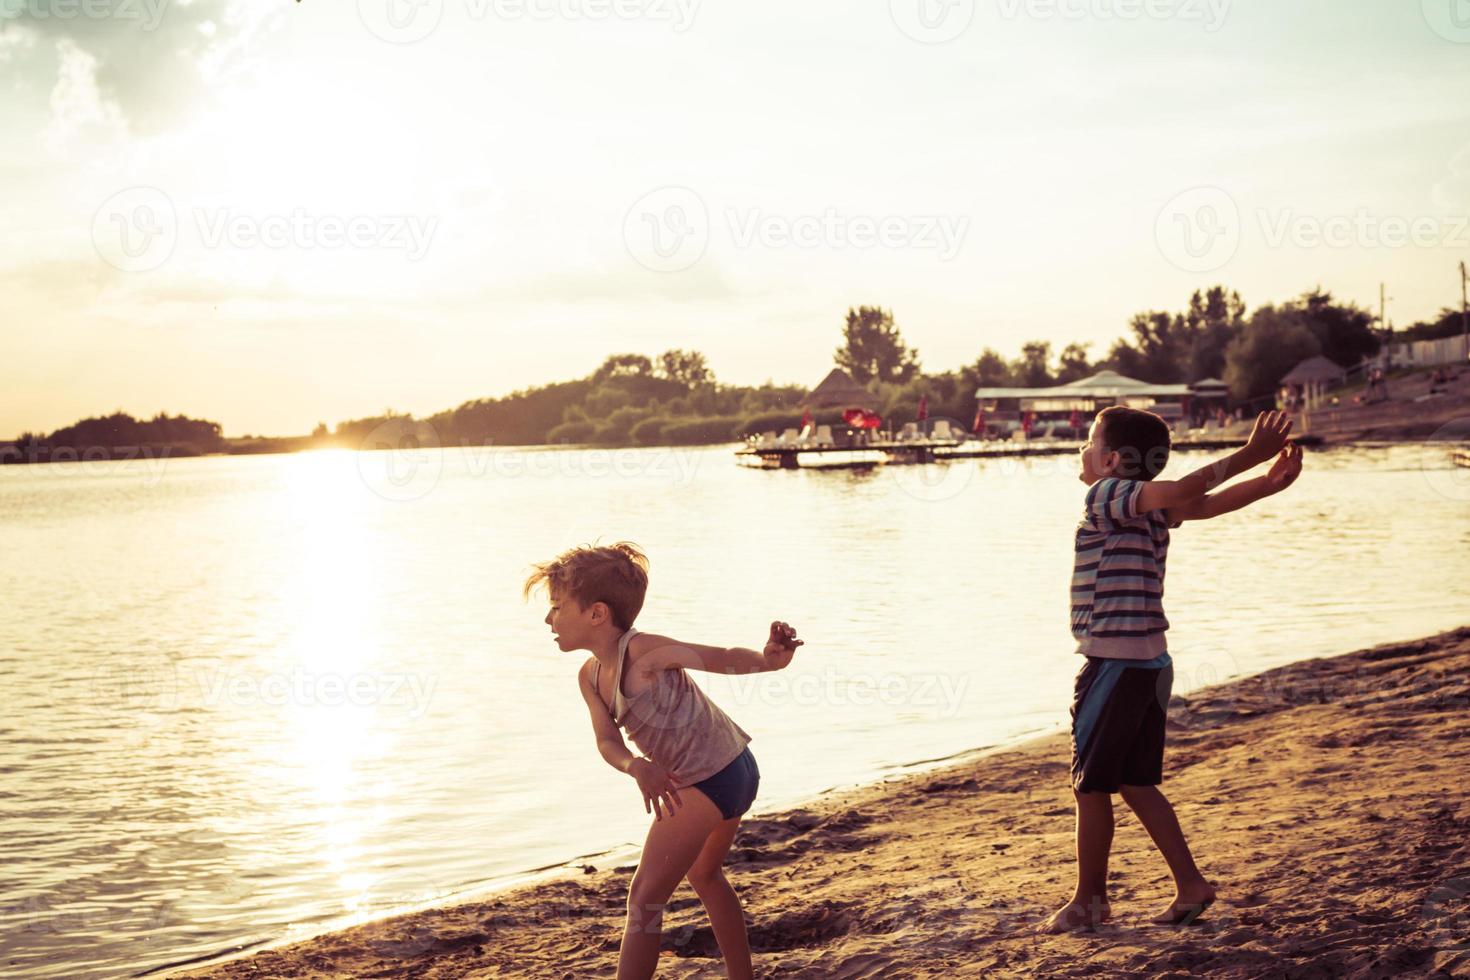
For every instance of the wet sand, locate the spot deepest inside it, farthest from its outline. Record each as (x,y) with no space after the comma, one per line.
(1326,800)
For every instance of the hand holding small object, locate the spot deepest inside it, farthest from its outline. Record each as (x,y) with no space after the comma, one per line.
(781,646)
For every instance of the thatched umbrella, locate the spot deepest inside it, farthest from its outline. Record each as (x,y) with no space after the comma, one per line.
(1314,370)
(1313,377)
(838,390)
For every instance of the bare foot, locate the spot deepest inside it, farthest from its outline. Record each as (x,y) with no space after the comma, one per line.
(1078,914)
(1189,904)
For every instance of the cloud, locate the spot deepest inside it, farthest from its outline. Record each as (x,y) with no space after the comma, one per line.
(76,102)
(13,42)
(146,58)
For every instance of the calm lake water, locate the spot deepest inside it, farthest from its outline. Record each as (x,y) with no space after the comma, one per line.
(248,699)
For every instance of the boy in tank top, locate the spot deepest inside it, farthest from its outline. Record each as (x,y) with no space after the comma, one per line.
(696,771)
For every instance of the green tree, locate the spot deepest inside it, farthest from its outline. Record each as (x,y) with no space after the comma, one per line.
(622,366)
(990,370)
(1272,343)
(1213,320)
(1074,365)
(1449,324)
(600,403)
(686,367)
(873,349)
(1344,331)
(1157,354)
(769,397)
(1033,368)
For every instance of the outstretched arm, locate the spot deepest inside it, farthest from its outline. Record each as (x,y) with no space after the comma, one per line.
(1284,471)
(1267,438)
(663,653)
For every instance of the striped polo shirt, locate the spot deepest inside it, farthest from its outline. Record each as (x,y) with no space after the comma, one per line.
(1118,575)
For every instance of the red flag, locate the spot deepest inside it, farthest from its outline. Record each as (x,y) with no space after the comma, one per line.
(923,407)
(979,425)
(854,418)
(806,418)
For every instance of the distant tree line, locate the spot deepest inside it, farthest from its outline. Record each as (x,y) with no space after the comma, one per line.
(1451,323)
(180,435)
(675,399)
(631,400)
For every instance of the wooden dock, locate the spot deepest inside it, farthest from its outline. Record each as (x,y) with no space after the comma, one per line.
(841,457)
(938,451)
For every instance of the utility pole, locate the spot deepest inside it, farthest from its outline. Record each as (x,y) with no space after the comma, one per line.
(1464,311)
(1383,310)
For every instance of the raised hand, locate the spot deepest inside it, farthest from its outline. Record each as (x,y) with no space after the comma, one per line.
(1286,469)
(781,646)
(1268,436)
(659,794)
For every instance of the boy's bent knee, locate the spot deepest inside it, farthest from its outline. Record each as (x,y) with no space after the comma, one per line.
(701,880)
(646,902)
(645,912)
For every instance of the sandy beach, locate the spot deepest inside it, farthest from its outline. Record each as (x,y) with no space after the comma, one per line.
(1325,799)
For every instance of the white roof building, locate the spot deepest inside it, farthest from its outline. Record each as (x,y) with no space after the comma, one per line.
(1087,394)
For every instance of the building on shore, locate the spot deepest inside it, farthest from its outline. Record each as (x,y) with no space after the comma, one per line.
(1068,409)
(1306,385)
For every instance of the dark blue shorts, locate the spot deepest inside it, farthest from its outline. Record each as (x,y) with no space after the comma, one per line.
(1118,713)
(733,788)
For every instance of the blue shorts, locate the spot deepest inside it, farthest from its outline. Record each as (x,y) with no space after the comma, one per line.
(1119,710)
(733,788)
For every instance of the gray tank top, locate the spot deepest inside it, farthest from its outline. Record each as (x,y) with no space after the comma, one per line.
(674,724)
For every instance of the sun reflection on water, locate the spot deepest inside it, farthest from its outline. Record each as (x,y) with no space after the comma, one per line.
(334,656)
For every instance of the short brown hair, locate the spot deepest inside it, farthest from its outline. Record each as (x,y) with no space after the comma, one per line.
(1140,438)
(615,575)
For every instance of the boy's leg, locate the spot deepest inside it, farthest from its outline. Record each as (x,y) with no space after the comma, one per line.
(672,845)
(1140,788)
(1101,725)
(707,878)
(1089,903)
(1193,894)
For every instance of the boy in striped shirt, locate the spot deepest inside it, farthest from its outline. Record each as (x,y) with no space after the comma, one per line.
(1122,691)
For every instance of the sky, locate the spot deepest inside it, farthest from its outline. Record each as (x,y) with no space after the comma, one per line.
(271,214)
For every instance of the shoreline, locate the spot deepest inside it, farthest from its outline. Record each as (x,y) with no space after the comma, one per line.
(510,882)
(1426,432)
(1336,751)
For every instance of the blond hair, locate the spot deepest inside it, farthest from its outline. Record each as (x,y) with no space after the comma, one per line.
(615,575)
